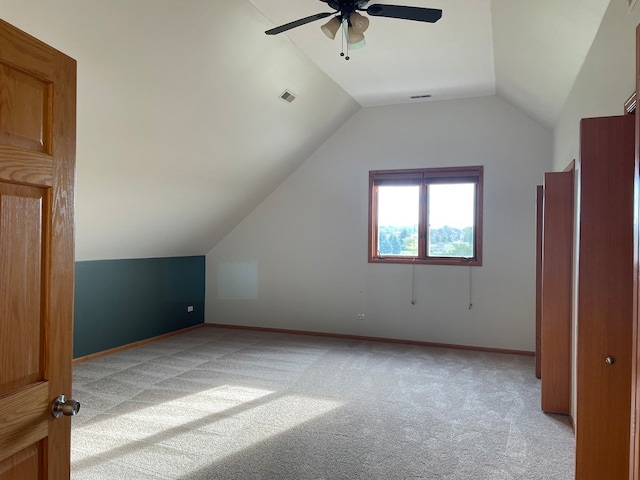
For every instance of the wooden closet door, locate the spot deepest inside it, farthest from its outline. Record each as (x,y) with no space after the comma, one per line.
(557,262)
(605,298)
(539,216)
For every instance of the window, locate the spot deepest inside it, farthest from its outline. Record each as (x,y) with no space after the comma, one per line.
(431,215)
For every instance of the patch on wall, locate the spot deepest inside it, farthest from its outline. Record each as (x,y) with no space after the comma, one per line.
(238,281)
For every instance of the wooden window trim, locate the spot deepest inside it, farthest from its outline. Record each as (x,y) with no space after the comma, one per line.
(425,176)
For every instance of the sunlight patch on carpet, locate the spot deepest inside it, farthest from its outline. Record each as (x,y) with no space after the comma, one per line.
(193,431)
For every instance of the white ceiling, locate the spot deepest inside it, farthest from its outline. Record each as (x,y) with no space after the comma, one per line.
(180,129)
(451,58)
(528,51)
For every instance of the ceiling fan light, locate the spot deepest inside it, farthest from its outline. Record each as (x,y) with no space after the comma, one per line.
(355,40)
(359,23)
(353,36)
(331,27)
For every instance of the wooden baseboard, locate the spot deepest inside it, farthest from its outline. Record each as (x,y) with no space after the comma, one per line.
(373,339)
(134,344)
(302,332)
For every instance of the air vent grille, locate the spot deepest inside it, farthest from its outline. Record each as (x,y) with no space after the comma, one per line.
(413,97)
(287,96)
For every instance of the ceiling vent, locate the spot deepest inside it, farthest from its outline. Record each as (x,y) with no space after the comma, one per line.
(287,96)
(414,97)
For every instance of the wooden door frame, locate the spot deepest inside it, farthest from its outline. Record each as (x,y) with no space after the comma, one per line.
(635,371)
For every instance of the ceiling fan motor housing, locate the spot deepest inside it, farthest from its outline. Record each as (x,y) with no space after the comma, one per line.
(346,7)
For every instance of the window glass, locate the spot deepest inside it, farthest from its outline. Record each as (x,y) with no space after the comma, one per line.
(398,215)
(451,219)
(430,215)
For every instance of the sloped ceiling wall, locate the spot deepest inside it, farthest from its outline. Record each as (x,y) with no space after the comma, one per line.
(606,80)
(539,48)
(181,132)
(180,129)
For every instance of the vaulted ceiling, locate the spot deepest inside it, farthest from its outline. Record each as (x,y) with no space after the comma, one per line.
(181,131)
(528,52)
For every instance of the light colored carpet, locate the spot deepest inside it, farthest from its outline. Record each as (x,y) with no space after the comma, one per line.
(232,404)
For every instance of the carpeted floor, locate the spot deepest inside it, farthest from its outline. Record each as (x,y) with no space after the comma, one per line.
(232,404)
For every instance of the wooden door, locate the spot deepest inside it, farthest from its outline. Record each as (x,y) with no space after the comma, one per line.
(37,175)
(605,298)
(539,211)
(557,262)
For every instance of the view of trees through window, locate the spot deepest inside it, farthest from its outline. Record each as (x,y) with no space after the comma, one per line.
(443,242)
(451,216)
(430,216)
(398,214)
(398,240)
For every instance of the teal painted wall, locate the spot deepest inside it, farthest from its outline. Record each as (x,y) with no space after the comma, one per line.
(123,301)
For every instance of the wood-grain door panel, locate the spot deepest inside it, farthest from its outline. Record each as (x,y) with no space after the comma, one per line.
(605,298)
(21,305)
(557,272)
(539,225)
(25,464)
(25,110)
(37,182)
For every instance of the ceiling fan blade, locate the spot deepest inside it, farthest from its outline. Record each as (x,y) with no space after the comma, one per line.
(297,23)
(419,14)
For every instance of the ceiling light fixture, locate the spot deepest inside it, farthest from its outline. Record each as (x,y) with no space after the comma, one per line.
(358,24)
(354,24)
(353,30)
(331,27)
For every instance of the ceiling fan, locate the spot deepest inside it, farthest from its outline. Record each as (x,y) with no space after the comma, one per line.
(354,24)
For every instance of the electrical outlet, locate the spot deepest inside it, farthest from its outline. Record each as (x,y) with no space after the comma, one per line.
(190,309)
(360,316)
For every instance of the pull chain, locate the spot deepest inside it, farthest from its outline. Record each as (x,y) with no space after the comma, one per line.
(344,27)
(413,284)
(470,291)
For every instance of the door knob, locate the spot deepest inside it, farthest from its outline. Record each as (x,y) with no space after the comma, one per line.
(63,406)
(610,360)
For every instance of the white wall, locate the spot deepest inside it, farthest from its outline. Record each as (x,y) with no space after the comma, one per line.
(604,83)
(299,261)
